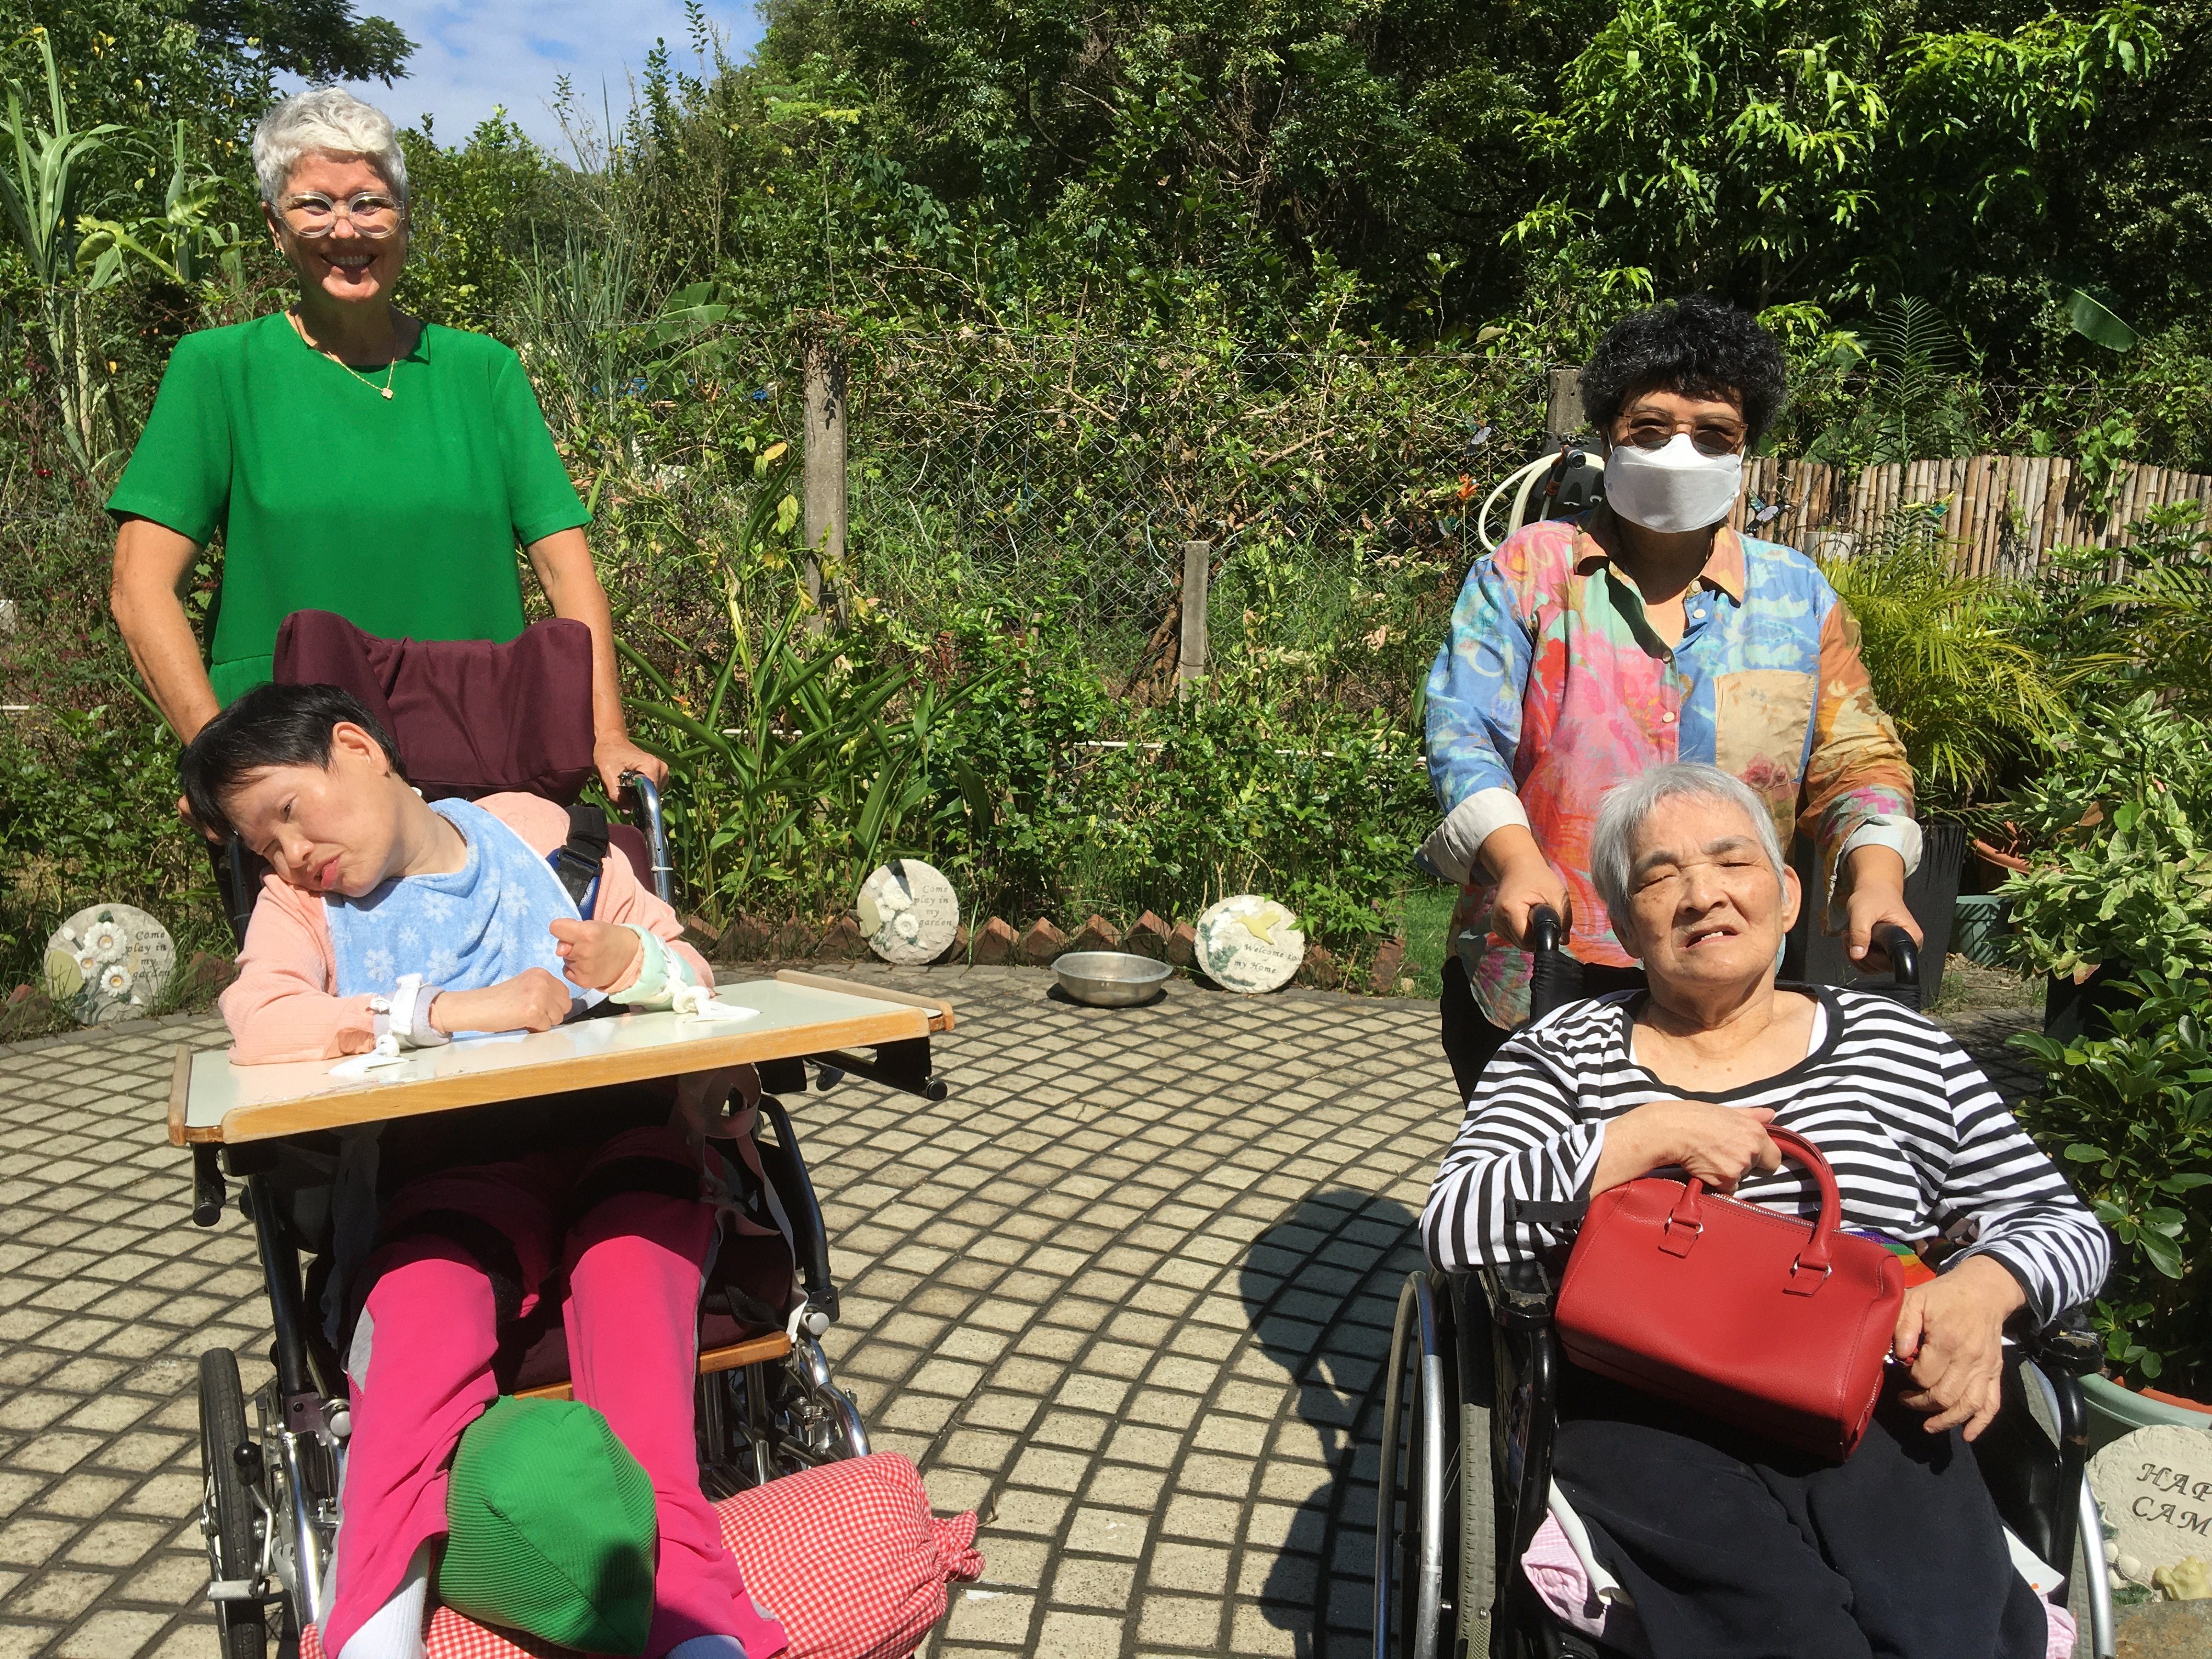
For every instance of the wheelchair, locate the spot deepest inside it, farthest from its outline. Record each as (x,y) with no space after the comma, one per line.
(765,1403)
(1470,1410)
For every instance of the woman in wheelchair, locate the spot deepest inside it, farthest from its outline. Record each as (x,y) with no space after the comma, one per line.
(1728,1544)
(386,921)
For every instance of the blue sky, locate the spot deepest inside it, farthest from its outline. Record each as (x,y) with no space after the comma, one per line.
(472,56)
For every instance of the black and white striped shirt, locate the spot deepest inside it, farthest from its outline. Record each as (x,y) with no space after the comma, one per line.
(1920,1143)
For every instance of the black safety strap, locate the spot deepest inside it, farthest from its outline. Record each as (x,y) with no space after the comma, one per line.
(1540,1212)
(578,861)
(476,1238)
(642,1174)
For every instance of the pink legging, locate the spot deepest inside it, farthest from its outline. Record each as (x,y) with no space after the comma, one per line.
(422,1372)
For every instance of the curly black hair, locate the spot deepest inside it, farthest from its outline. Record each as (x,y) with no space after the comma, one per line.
(1693,344)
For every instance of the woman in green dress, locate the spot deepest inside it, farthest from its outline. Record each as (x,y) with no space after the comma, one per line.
(354,459)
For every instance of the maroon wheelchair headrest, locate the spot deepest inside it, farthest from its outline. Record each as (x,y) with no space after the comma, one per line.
(471,718)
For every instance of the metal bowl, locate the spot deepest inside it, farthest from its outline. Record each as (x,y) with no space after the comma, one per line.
(1110,978)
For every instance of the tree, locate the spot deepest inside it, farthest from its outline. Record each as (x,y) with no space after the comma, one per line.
(318,40)
(1774,150)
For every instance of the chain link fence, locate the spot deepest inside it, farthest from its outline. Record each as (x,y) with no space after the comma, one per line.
(1079,467)
(1065,474)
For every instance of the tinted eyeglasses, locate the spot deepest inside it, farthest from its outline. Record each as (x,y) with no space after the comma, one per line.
(1709,437)
(373,217)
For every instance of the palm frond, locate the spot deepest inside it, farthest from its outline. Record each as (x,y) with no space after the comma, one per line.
(1967,698)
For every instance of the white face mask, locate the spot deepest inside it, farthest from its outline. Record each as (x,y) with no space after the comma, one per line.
(1671,490)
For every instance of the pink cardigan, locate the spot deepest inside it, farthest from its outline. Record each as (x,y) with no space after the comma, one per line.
(284,1004)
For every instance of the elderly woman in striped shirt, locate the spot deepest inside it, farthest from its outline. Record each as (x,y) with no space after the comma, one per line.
(1729,1546)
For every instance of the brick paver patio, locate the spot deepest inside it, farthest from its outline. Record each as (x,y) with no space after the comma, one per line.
(1126,1292)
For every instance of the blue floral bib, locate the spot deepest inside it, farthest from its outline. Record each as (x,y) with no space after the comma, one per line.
(483,923)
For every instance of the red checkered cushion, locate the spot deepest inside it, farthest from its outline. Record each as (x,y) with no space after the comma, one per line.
(848,1556)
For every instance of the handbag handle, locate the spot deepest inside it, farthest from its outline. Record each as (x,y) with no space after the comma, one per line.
(1686,1221)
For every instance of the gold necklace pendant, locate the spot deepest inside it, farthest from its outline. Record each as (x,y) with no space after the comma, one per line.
(384,391)
(390,368)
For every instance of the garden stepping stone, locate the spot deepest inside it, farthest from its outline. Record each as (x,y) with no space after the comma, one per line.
(1250,943)
(109,961)
(907,912)
(2155,1486)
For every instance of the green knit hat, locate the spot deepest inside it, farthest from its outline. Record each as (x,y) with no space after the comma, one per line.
(550,1528)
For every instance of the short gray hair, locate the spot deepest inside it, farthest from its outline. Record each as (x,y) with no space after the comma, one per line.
(1613,840)
(329,121)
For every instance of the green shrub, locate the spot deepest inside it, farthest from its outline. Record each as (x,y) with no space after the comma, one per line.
(2121,870)
(1969,699)
(2130,1115)
(795,771)
(1074,803)
(88,812)
(2120,877)
(807,760)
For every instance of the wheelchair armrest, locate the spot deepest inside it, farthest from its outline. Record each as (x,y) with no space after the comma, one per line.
(2066,1344)
(786,1167)
(1522,1293)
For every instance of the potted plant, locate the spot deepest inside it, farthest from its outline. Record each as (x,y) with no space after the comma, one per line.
(2129,1115)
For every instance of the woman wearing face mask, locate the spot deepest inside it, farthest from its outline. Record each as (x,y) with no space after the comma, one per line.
(1584,651)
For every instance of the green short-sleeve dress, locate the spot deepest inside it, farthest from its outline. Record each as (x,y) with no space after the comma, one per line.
(402,514)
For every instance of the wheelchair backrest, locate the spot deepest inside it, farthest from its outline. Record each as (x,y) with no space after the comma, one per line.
(471,717)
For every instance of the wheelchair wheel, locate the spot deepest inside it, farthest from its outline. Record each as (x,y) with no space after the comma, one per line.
(1480,1525)
(229,1511)
(1418,1503)
(758,1422)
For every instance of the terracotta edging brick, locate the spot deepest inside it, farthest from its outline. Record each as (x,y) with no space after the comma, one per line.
(1041,943)
(1148,937)
(1097,934)
(995,946)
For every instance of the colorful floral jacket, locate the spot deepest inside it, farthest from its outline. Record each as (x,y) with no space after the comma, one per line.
(1553,688)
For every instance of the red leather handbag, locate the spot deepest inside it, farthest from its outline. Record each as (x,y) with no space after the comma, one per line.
(1759,1319)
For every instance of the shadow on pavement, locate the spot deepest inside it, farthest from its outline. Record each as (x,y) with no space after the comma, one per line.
(1320,1287)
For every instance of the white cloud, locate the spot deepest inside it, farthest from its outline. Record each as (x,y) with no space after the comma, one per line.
(474,56)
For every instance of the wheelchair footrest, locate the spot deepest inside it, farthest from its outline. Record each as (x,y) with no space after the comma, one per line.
(753,1351)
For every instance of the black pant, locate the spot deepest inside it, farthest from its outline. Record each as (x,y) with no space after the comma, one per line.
(1470,1039)
(1734,1548)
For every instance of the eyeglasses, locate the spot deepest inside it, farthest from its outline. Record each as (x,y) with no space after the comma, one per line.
(1707,437)
(373,217)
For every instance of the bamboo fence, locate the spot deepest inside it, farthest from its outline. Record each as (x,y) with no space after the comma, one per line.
(2004,510)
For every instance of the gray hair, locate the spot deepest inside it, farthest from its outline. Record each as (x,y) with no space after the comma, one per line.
(325,120)
(1613,840)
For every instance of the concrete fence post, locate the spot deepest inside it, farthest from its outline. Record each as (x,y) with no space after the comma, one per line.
(823,489)
(1190,652)
(1562,406)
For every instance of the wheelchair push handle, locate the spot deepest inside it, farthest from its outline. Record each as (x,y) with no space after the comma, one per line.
(1545,930)
(1904,955)
(656,834)
(1551,972)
